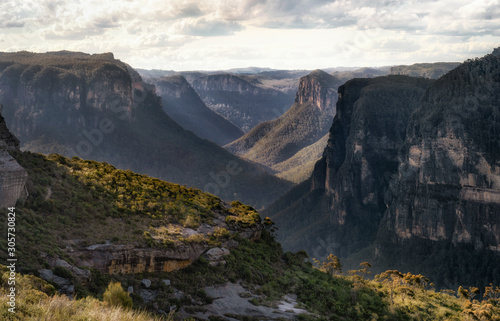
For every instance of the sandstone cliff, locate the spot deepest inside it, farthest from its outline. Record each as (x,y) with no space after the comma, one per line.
(97,107)
(304,124)
(244,102)
(339,208)
(12,176)
(448,182)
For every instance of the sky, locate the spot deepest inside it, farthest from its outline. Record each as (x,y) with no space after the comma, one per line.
(279,34)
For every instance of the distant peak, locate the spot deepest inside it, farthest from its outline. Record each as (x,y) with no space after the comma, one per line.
(322,76)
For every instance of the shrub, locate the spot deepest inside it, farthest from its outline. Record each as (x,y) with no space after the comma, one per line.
(63,272)
(115,295)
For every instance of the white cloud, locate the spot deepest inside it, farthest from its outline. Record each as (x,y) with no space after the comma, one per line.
(235,33)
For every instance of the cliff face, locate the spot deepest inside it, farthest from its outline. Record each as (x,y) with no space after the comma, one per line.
(131,259)
(12,176)
(56,91)
(241,101)
(97,107)
(448,183)
(344,199)
(225,82)
(318,89)
(305,123)
(185,107)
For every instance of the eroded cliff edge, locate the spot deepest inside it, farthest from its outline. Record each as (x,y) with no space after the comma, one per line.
(448,182)
(338,210)
(12,176)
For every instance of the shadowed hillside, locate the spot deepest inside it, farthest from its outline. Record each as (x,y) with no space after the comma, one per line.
(97,107)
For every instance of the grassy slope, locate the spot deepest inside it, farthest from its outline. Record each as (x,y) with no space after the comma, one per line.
(74,199)
(299,167)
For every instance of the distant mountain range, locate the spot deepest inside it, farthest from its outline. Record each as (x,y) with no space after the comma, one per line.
(245,102)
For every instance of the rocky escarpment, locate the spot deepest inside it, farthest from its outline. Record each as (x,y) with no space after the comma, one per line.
(12,176)
(448,183)
(339,208)
(304,124)
(185,107)
(317,88)
(97,107)
(241,101)
(112,258)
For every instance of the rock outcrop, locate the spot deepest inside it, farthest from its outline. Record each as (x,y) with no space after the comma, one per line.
(338,210)
(304,124)
(318,89)
(448,183)
(12,176)
(133,259)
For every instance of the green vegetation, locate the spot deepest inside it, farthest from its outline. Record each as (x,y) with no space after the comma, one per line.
(37,300)
(242,215)
(92,202)
(269,274)
(116,296)
(305,123)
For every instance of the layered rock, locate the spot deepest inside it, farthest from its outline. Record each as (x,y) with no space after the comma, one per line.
(133,259)
(448,183)
(338,210)
(12,176)
(304,124)
(318,89)
(243,102)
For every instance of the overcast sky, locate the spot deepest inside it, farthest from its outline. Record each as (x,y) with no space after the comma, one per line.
(222,34)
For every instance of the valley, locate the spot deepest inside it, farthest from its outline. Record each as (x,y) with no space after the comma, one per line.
(251,194)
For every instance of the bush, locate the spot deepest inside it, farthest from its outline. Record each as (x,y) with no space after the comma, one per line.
(63,272)
(115,295)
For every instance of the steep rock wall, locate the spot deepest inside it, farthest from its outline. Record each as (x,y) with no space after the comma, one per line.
(12,176)
(448,182)
(129,258)
(339,209)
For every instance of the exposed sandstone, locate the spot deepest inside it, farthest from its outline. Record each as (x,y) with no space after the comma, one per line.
(12,176)
(448,182)
(339,209)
